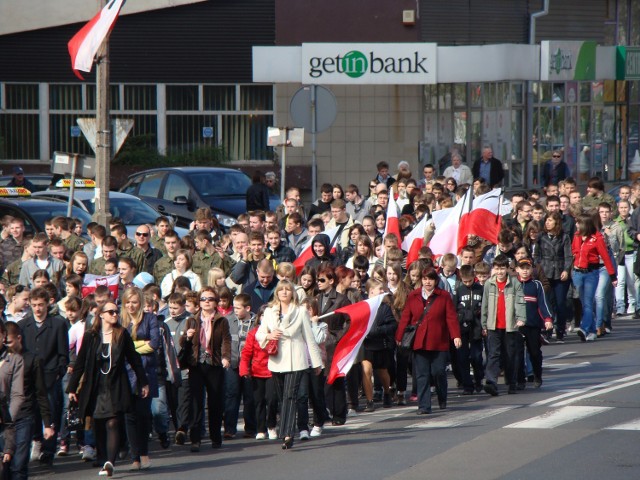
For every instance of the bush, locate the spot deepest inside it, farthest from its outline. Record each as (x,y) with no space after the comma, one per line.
(141,151)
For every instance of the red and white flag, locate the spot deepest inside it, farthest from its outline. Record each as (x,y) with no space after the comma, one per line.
(90,283)
(414,241)
(362,315)
(484,219)
(85,44)
(307,250)
(393,224)
(447,221)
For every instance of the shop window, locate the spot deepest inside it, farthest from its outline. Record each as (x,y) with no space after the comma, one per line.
(431,97)
(476,94)
(585,92)
(21,97)
(517,94)
(243,137)
(65,97)
(182,97)
(60,139)
(184,132)
(460,95)
(256,97)
(219,97)
(114,97)
(19,136)
(140,97)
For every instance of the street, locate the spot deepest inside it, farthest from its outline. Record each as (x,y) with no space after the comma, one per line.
(583,423)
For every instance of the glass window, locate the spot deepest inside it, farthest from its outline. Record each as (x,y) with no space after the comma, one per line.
(444,96)
(243,137)
(150,186)
(460,95)
(140,97)
(65,97)
(476,94)
(502,95)
(516,134)
(219,97)
(489,95)
(19,136)
(430,97)
(213,184)
(475,137)
(597,92)
(184,132)
(182,97)
(558,93)
(585,92)
(114,97)
(256,97)
(517,94)
(21,97)
(144,130)
(634,87)
(60,139)
(175,187)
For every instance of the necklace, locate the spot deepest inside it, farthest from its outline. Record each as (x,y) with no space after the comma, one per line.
(108,355)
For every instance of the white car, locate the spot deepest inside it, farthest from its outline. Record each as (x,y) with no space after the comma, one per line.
(130,209)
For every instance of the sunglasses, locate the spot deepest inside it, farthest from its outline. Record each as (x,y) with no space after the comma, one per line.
(373,185)
(208,299)
(322,280)
(111,312)
(556,156)
(142,234)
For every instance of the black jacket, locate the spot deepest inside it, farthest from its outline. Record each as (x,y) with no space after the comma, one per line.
(50,343)
(258,197)
(328,257)
(496,175)
(337,324)
(35,391)
(553,254)
(468,302)
(383,331)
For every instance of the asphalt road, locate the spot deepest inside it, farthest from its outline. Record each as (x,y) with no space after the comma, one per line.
(584,423)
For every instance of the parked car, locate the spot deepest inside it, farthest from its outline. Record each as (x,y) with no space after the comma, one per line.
(130,209)
(180,191)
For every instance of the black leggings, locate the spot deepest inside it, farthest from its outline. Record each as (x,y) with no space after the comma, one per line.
(108,438)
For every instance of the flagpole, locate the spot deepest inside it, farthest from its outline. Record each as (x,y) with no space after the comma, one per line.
(103,134)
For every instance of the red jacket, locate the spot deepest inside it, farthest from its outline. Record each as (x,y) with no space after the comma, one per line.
(439,326)
(590,251)
(253,359)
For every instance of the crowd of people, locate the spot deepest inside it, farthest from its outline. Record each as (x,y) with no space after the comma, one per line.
(216,319)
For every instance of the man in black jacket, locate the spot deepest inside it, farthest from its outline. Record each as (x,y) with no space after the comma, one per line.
(46,337)
(488,167)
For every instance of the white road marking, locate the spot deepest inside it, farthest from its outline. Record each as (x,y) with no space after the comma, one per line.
(561,416)
(462,418)
(559,356)
(584,390)
(632,425)
(557,367)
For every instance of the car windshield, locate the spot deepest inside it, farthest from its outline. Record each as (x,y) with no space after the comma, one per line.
(47,211)
(131,210)
(219,183)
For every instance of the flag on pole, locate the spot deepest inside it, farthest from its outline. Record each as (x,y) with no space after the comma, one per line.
(362,315)
(483,220)
(307,250)
(85,44)
(447,222)
(414,240)
(90,283)
(393,224)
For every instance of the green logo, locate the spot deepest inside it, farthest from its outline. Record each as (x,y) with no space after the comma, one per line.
(355,64)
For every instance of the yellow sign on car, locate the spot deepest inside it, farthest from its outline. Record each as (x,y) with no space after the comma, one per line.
(79,183)
(14,192)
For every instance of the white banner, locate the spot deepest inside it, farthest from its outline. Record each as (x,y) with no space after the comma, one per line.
(369,63)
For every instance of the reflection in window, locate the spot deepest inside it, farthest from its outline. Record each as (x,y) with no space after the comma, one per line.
(175,187)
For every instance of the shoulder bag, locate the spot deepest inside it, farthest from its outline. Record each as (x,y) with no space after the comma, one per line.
(409,334)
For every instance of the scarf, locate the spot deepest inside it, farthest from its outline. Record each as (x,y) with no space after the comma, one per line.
(206,328)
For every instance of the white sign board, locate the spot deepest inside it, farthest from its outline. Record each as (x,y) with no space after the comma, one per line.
(120,128)
(369,63)
(567,60)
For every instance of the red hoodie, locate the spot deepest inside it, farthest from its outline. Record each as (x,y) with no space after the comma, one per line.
(253,359)
(589,252)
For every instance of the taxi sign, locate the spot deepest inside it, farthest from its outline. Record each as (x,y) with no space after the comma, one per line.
(79,183)
(14,192)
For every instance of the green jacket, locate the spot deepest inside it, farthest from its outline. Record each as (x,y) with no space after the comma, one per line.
(74,242)
(161,268)
(203,262)
(514,304)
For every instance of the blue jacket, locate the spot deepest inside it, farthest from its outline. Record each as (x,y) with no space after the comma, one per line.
(536,303)
(148,329)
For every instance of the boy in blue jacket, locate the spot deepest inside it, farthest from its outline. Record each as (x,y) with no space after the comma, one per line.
(538,316)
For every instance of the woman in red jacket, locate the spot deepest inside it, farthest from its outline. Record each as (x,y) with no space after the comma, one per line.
(254,365)
(589,251)
(438,326)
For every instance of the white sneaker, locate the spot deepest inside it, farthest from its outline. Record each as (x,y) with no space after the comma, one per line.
(591,337)
(260,436)
(352,413)
(316,431)
(89,454)
(570,329)
(273,434)
(304,435)
(36,450)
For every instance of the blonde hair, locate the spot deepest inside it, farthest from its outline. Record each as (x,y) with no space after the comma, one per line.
(282,284)
(214,275)
(128,320)
(287,270)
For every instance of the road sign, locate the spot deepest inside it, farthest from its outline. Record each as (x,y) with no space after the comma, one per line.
(207,132)
(120,128)
(75,131)
(63,165)
(326,108)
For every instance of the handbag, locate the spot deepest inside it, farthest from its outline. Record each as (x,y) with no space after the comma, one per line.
(272,347)
(74,422)
(409,334)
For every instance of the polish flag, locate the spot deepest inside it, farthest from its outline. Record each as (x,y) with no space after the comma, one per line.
(85,44)
(447,222)
(484,219)
(393,224)
(90,283)
(307,251)
(414,241)
(362,315)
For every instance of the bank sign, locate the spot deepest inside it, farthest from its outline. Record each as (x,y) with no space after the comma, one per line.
(369,63)
(567,60)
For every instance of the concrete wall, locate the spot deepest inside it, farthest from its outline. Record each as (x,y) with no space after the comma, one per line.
(374,123)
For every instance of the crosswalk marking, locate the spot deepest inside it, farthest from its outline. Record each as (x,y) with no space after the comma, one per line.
(591,388)
(632,425)
(557,417)
(462,418)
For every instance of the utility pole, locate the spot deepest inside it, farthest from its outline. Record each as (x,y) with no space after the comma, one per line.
(103,135)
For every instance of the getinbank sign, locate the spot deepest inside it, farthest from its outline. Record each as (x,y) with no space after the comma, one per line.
(369,63)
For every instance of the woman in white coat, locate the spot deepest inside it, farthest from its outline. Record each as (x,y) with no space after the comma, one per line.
(288,323)
(182,262)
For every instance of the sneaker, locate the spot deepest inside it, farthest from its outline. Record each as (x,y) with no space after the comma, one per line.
(164,440)
(413,398)
(370,407)
(316,431)
(581,334)
(304,435)
(386,401)
(607,329)
(544,340)
(273,434)
(570,329)
(36,450)
(46,459)
(261,436)
(195,447)
(89,454)
(591,337)
(63,451)
(107,470)
(537,383)
(491,389)
(180,437)
(352,412)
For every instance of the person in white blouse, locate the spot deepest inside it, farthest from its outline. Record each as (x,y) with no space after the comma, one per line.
(289,324)
(461,173)
(182,262)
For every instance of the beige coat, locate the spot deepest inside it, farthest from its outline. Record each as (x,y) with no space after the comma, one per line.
(297,349)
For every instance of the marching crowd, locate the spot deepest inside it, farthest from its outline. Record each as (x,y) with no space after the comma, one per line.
(218,318)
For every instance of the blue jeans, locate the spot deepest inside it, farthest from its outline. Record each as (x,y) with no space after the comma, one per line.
(559,291)
(586,283)
(160,410)
(20,460)
(626,282)
(234,388)
(430,364)
(604,298)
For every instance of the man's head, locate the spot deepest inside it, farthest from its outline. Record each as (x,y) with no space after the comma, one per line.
(162,226)
(109,247)
(505,240)
(242,306)
(456,160)
(273,238)
(524,269)
(595,186)
(39,301)
(605,213)
(39,245)
(325,278)
(143,235)
(290,206)
(338,211)
(501,267)
(16,228)
(487,153)
(625,192)
(256,244)
(18,176)
(383,170)
(265,272)
(575,198)
(553,204)
(176,304)
(352,193)
(383,199)
(256,220)
(624,207)
(556,157)
(467,275)
(467,256)
(523,211)
(551,190)
(428,171)
(204,219)
(315,226)
(57,248)
(171,242)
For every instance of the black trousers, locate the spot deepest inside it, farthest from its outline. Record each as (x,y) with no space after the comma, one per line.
(138,426)
(336,398)
(180,404)
(500,341)
(287,386)
(266,403)
(533,344)
(206,377)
